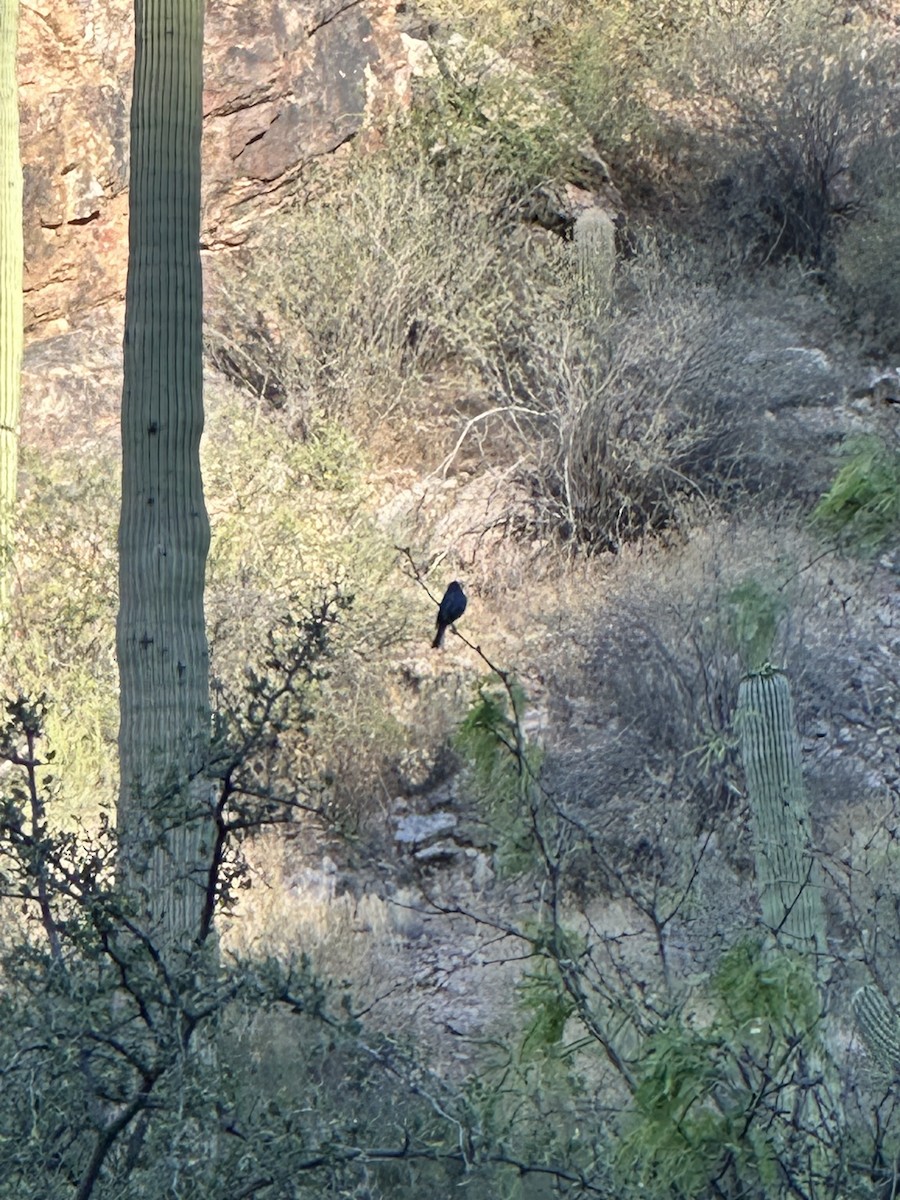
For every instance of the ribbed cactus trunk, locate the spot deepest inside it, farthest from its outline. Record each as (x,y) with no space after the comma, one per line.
(10,291)
(879,1027)
(164,813)
(594,236)
(787,873)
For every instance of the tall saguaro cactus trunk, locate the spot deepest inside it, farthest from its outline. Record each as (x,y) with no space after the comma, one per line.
(10,290)
(164,812)
(787,874)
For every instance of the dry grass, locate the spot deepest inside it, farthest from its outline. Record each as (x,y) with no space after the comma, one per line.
(293,911)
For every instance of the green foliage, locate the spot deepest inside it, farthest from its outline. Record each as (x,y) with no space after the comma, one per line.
(766,995)
(547,1007)
(679,1138)
(63,620)
(487,734)
(861,509)
(290,518)
(754,611)
(602,60)
(111,1082)
(484,121)
(505,770)
(697,1113)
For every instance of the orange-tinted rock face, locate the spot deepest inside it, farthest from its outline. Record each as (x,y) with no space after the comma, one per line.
(285,80)
(74,87)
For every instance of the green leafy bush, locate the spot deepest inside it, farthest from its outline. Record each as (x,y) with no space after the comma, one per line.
(62,630)
(698,1112)
(861,509)
(504,769)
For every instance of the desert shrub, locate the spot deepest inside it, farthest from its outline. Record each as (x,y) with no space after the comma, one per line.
(289,521)
(62,630)
(357,294)
(866,280)
(105,1090)
(668,653)
(292,521)
(861,509)
(622,425)
(481,119)
(800,109)
(602,61)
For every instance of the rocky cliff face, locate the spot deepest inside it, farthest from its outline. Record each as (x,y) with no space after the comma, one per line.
(286,80)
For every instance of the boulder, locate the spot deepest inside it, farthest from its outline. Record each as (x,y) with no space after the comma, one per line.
(421,829)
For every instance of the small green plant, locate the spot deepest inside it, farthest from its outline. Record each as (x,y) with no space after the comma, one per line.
(504,769)
(861,509)
(711,1101)
(763,995)
(754,612)
(549,1008)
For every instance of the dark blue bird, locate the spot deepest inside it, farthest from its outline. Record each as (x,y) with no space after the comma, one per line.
(451,609)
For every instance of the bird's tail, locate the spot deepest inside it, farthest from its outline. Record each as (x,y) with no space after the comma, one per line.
(439,637)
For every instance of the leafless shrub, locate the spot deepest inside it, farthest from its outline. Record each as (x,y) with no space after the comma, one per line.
(868,283)
(622,424)
(802,102)
(356,296)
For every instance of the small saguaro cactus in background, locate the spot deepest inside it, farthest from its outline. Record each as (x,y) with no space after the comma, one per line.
(787,872)
(595,258)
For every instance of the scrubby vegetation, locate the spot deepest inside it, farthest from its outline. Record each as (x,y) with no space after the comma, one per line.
(491,920)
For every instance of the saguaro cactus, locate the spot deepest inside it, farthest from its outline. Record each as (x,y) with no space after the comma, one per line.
(10,288)
(595,258)
(164,815)
(787,873)
(879,1027)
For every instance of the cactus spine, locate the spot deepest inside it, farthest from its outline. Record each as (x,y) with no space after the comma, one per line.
(787,873)
(10,288)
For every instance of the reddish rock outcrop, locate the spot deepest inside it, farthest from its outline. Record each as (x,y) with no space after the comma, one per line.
(286,80)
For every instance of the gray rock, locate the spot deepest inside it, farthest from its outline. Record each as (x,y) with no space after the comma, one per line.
(795,376)
(418,829)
